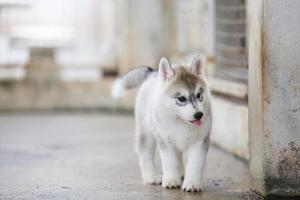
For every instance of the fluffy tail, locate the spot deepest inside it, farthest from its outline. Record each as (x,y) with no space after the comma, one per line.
(133,78)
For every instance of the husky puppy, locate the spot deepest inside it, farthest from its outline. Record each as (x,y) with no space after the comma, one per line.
(172,111)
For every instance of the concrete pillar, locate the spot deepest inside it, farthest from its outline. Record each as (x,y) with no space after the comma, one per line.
(274,96)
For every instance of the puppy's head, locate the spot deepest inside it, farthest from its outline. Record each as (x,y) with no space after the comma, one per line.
(185,92)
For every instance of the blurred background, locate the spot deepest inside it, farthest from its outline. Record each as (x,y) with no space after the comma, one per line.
(64,54)
(58,60)
(62,136)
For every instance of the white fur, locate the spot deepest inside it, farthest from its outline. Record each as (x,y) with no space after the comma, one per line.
(159,121)
(117,89)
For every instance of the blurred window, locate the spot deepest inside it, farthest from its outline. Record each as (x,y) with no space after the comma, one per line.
(231,45)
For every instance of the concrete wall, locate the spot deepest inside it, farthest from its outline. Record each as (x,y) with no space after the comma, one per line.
(274,96)
(50,95)
(148,30)
(193,26)
(230,125)
(139,26)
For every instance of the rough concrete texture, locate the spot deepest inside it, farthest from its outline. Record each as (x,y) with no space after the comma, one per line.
(91,156)
(274,96)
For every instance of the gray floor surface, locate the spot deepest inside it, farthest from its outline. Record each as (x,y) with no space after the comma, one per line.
(91,156)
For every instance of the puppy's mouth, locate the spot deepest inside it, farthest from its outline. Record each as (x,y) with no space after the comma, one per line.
(196,122)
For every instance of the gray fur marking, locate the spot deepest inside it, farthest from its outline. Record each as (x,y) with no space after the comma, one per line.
(136,76)
(194,101)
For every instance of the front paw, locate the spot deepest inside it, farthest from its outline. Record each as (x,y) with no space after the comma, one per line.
(191,186)
(171,182)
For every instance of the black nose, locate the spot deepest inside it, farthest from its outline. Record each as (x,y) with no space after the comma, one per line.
(198,115)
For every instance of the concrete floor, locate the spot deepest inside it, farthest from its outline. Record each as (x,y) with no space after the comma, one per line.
(91,156)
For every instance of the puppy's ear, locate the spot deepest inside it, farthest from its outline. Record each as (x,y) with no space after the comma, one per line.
(198,66)
(165,70)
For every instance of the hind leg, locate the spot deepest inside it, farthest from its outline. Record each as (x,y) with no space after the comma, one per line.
(145,147)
